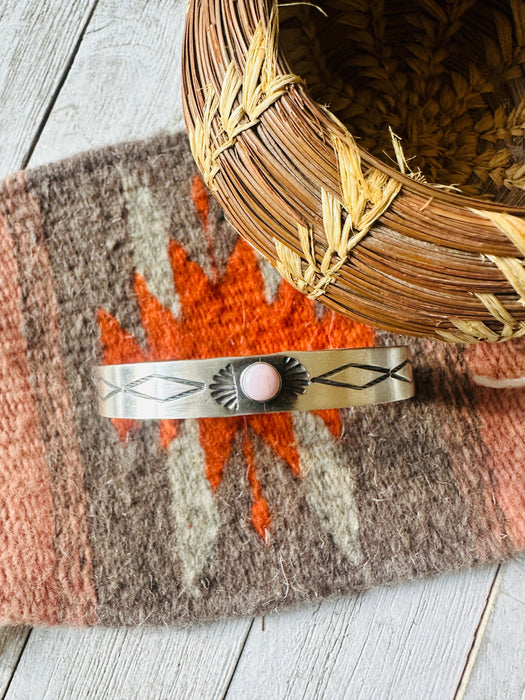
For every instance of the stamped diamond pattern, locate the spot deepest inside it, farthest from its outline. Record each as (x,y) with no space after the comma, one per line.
(378,375)
(153,387)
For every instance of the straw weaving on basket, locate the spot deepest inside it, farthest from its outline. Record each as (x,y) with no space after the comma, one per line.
(373,152)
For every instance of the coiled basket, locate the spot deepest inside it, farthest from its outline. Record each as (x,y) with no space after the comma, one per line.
(373,152)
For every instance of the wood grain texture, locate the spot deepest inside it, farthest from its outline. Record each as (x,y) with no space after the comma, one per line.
(497,663)
(128,664)
(125,83)
(12,641)
(405,642)
(37,40)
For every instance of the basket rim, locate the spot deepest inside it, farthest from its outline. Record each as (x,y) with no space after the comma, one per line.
(426,188)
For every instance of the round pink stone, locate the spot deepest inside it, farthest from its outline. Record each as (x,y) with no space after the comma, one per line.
(261,382)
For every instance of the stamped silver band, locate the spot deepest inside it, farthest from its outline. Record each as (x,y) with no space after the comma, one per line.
(232,386)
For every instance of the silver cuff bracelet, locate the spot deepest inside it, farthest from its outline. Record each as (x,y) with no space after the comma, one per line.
(232,386)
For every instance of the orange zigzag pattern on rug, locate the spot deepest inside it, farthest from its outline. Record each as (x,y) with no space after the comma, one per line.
(230,317)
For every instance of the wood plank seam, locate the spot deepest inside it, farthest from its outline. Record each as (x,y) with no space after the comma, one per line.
(58,88)
(15,666)
(479,634)
(230,679)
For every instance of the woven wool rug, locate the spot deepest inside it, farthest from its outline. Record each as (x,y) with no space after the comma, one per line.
(119,255)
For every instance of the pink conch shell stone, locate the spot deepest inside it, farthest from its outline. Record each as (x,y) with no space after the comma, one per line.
(261,382)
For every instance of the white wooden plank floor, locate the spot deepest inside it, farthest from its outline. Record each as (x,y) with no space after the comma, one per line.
(77,74)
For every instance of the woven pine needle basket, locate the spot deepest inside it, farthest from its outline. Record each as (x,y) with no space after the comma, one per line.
(373,152)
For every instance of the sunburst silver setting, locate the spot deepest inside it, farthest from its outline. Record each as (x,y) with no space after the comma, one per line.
(224,388)
(295,379)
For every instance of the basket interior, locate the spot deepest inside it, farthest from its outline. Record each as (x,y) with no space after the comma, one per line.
(447,76)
